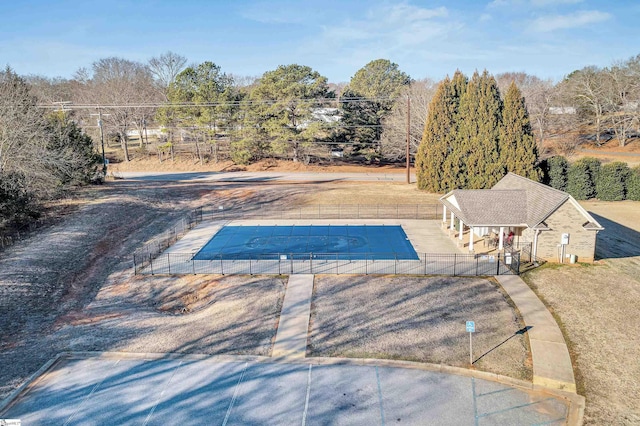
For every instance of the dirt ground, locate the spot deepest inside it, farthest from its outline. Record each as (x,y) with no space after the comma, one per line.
(418,319)
(597,306)
(53,284)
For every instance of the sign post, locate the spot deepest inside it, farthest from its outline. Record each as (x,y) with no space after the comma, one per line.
(471,328)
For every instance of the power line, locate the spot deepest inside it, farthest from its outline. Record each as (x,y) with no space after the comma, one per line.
(92,105)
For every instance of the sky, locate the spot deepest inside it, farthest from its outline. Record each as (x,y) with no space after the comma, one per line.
(547,38)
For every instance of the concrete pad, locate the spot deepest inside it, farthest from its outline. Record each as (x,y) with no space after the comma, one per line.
(425,235)
(252,390)
(270,394)
(445,400)
(196,238)
(344,396)
(183,401)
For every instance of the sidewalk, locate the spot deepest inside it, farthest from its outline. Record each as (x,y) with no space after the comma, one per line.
(291,337)
(551,361)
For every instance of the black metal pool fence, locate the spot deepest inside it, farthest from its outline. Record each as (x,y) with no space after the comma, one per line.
(333,263)
(328,211)
(149,260)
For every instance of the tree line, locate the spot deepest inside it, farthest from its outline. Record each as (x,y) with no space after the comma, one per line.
(293,109)
(281,113)
(470,131)
(42,153)
(365,117)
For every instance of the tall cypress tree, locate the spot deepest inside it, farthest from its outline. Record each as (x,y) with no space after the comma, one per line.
(432,149)
(517,147)
(480,121)
(433,165)
(453,167)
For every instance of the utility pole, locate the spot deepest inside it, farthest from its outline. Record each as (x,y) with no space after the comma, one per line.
(104,159)
(408,139)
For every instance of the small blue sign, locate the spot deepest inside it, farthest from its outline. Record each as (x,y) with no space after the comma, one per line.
(471,327)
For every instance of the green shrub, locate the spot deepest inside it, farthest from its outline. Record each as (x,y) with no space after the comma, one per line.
(17,205)
(581,178)
(633,184)
(610,184)
(240,153)
(555,172)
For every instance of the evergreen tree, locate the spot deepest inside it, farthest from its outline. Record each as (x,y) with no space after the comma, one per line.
(18,205)
(555,172)
(479,129)
(471,139)
(581,178)
(517,147)
(433,162)
(453,173)
(78,162)
(282,106)
(380,82)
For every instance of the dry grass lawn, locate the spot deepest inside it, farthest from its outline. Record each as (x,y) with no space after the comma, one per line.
(368,193)
(417,319)
(597,306)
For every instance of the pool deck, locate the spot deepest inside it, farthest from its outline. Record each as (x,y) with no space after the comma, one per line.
(426,236)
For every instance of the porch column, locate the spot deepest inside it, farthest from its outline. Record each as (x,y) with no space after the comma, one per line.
(501,243)
(444,213)
(471,238)
(452,219)
(461,230)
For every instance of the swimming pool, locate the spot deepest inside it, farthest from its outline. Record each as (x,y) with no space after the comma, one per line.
(350,242)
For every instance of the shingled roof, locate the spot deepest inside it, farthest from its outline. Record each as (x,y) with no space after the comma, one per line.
(485,207)
(542,200)
(514,201)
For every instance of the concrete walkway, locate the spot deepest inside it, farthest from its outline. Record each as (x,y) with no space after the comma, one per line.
(551,361)
(293,328)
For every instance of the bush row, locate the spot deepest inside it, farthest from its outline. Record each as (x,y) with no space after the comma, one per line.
(588,178)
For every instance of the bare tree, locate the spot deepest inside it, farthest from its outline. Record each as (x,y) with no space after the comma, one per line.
(620,100)
(394,131)
(121,89)
(587,87)
(50,90)
(247,81)
(44,149)
(23,136)
(165,68)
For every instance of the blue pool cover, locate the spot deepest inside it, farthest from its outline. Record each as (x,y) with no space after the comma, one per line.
(344,242)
